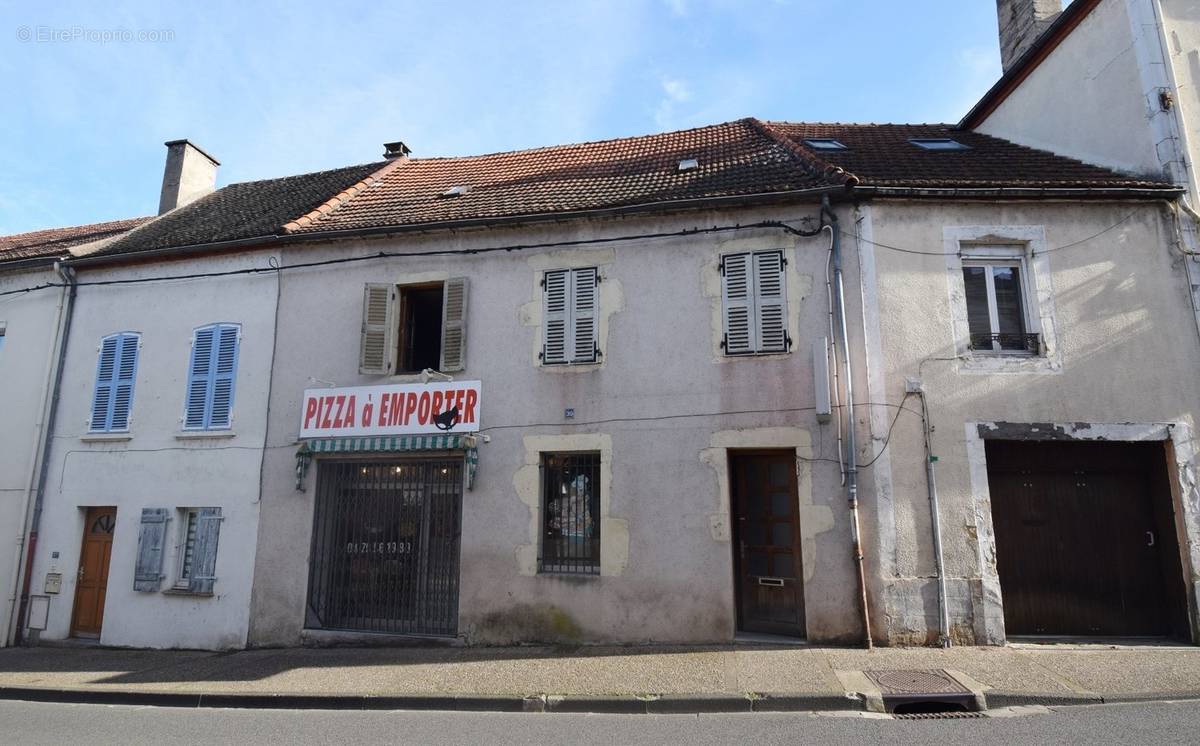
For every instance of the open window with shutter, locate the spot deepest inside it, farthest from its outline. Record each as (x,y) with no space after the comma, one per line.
(116,370)
(203,559)
(147,571)
(754,303)
(212,377)
(408,328)
(570,316)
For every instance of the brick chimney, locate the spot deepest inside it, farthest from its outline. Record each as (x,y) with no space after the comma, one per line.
(189,175)
(1021,23)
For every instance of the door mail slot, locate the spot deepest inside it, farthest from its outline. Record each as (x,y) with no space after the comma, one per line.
(770,581)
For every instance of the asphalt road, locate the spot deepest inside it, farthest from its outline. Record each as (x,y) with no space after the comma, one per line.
(38,723)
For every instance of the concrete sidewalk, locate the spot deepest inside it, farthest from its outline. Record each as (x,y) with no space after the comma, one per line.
(600,679)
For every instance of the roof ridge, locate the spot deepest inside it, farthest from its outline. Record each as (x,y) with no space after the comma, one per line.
(815,165)
(582,143)
(336,201)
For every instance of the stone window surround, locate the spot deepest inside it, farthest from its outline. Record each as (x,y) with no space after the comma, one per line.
(958,242)
(986,599)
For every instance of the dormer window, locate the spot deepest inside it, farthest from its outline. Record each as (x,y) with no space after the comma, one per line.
(939,143)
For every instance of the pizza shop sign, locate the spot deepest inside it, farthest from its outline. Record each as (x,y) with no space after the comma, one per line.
(401,409)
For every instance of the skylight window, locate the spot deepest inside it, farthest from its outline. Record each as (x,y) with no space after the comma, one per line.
(456,191)
(939,143)
(825,143)
(689,164)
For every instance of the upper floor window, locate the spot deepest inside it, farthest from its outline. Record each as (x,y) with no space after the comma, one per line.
(408,328)
(2,328)
(997,313)
(212,373)
(570,301)
(754,303)
(116,369)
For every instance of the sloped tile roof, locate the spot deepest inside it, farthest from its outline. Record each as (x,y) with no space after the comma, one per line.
(54,242)
(881,155)
(733,159)
(250,209)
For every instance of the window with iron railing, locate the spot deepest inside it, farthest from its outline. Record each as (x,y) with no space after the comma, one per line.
(996,310)
(570,513)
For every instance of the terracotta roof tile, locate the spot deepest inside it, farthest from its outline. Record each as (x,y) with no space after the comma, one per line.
(54,242)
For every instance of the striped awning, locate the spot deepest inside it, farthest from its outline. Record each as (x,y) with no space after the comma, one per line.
(387,444)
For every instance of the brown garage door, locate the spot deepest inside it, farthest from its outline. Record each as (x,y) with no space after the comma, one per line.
(1085,539)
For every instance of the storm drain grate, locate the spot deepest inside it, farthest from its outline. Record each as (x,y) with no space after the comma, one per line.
(939,715)
(922,693)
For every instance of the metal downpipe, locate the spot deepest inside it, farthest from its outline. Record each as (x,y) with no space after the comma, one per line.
(851,445)
(936,519)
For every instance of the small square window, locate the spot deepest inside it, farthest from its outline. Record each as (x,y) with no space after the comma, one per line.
(939,143)
(570,513)
(825,143)
(997,315)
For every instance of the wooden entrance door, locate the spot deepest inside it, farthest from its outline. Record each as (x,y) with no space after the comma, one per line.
(770,586)
(1085,541)
(92,583)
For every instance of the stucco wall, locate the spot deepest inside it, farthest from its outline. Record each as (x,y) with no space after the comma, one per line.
(156,467)
(1087,99)
(30,325)
(1126,344)
(1182,20)
(668,573)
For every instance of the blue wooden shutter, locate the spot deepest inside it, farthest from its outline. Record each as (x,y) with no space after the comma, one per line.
(105,373)
(199,375)
(204,552)
(123,379)
(225,372)
(147,570)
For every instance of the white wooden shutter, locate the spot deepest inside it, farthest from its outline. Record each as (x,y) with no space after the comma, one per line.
(584,300)
(147,570)
(454,325)
(204,552)
(737,304)
(555,316)
(377,351)
(770,302)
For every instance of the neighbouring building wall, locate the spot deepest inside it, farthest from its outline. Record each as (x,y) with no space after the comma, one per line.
(1113,307)
(28,325)
(663,408)
(1182,26)
(1089,99)
(156,464)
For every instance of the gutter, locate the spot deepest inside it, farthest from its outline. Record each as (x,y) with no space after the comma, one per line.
(39,262)
(42,469)
(1151,193)
(319,236)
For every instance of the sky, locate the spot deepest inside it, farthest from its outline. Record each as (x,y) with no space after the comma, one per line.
(93,90)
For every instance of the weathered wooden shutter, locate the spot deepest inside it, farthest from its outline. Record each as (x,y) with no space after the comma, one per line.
(204,552)
(770,303)
(147,570)
(224,375)
(454,325)
(737,304)
(124,375)
(103,392)
(555,316)
(199,375)
(584,300)
(377,350)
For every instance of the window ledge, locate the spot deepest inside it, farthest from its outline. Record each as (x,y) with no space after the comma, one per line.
(106,437)
(185,592)
(1000,363)
(205,434)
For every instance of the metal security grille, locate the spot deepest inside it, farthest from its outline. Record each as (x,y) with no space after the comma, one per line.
(385,546)
(571,513)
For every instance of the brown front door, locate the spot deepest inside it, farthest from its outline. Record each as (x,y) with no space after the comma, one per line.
(766,528)
(92,583)
(1085,539)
